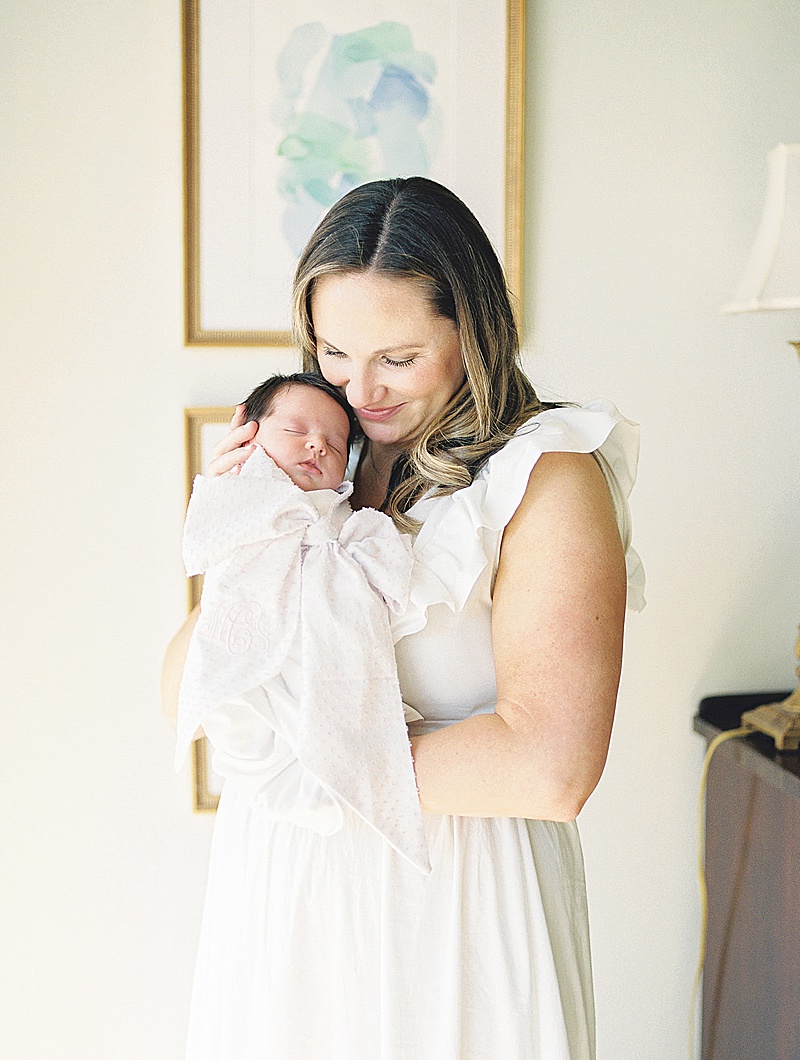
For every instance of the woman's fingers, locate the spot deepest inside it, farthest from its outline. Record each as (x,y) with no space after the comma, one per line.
(237,419)
(230,461)
(235,447)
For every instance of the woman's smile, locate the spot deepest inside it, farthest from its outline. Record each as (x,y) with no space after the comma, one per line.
(377,415)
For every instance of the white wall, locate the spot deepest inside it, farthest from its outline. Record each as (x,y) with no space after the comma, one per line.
(647,130)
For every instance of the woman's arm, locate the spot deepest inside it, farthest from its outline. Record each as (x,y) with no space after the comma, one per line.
(557,622)
(172,670)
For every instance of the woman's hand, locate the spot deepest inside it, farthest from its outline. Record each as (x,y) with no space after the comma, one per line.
(231,452)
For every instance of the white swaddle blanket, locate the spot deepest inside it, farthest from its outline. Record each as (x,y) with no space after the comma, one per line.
(294,629)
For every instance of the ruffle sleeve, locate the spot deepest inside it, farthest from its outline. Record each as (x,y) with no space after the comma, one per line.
(450,550)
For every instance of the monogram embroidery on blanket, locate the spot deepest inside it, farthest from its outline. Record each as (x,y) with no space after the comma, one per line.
(240,627)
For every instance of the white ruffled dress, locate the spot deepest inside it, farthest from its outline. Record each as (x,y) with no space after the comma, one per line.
(335,947)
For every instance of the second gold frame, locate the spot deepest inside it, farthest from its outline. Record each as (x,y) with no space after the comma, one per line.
(203,427)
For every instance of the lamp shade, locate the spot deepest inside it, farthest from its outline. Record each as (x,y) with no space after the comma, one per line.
(771,279)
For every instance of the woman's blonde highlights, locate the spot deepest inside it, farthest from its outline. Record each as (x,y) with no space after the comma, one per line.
(415,229)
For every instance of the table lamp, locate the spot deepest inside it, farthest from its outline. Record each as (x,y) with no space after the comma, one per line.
(771,280)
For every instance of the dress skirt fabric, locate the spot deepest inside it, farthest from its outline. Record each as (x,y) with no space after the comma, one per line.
(336,948)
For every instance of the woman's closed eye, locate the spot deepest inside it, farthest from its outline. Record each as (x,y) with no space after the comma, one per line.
(399,364)
(391,362)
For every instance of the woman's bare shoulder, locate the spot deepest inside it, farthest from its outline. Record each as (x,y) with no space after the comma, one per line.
(566,493)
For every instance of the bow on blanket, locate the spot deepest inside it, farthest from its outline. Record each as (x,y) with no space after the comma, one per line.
(295,608)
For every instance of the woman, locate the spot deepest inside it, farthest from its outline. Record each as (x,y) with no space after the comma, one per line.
(510,649)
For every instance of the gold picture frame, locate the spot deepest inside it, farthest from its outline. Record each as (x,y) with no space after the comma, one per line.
(203,426)
(224,291)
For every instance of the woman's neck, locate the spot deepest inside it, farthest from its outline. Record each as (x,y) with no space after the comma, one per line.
(372,475)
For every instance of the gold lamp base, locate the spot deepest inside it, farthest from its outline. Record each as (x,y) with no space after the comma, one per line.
(781,720)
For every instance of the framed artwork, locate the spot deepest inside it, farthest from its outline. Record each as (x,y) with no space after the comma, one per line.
(204,427)
(288,104)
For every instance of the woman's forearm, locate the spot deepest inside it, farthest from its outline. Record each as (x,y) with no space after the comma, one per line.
(482,767)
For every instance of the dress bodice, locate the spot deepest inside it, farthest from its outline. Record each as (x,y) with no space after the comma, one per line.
(443,640)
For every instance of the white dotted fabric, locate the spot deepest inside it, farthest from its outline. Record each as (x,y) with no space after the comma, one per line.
(293,651)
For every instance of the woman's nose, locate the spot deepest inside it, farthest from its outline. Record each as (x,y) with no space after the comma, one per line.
(362,390)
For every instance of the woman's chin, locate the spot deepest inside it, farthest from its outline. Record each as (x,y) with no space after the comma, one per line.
(391,441)
(391,431)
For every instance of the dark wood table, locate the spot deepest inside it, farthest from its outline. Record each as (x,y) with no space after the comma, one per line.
(751,981)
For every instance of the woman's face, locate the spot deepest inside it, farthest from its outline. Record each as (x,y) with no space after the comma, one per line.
(396,360)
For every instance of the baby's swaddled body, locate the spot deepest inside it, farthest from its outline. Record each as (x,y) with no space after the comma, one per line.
(291,670)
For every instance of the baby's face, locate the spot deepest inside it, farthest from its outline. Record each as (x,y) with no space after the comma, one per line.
(306,435)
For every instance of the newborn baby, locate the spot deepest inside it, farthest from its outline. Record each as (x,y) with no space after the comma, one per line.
(291,670)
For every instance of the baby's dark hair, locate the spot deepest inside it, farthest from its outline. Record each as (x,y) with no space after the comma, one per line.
(260,402)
